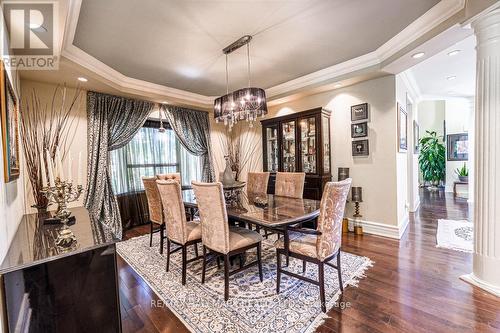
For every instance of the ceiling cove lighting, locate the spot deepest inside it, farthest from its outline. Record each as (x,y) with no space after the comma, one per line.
(242,104)
(418,55)
(454,52)
(82,79)
(449,78)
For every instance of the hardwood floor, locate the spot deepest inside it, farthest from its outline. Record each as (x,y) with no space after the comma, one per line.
(412,287)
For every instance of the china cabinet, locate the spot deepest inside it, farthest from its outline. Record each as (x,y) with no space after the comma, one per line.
(299,142)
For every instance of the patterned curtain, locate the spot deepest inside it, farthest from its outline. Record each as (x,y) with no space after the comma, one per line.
(112,121)
(193,131)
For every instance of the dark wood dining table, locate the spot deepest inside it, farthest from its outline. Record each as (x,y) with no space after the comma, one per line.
(278,215)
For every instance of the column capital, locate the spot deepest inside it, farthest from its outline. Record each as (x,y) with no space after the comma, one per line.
(487,29)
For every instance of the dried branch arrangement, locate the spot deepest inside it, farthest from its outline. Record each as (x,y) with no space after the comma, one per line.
(45,128)
(241,145)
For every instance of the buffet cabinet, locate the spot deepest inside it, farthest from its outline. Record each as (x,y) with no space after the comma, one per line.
(299,142)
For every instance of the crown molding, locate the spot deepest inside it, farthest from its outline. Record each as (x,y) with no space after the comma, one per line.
(409,80)
(371,61)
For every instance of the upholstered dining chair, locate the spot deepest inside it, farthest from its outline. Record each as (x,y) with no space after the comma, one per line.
(290,184)
(154,209)
(218,236)
(321,245)
(167,176)
(257,182)
(179,230)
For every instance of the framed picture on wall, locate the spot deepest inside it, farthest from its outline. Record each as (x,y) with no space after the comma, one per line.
(359,130)
(360,148)
(402,129)
(458,147)
(10,132)
(359,112)
(416,137)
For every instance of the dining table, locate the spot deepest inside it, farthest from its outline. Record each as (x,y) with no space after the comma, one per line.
(268,211)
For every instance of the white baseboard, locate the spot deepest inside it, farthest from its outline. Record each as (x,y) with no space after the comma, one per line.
(472,279)
(379,229)
(416,204)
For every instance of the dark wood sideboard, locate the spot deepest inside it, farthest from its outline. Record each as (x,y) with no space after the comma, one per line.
(46,289)
(299,142)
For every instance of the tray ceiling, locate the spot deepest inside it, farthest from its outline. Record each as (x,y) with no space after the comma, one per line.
(178,43)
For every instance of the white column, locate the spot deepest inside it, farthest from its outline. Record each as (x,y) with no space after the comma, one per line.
(486,261)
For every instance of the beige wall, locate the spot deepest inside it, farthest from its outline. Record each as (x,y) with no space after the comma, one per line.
(77,140)
(12,193)
(375,173)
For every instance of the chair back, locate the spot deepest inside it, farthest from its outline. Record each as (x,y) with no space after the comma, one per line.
(257,182)
(154,201)
(330,217)
(173,210)
(290,184)
(167,176)
(213,216)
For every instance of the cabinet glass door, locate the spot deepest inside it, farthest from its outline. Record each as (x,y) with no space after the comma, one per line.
(308,144)
(272,148)
(289,146)
(326,144)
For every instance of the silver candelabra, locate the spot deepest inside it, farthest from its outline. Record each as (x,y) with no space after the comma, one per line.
(62,193)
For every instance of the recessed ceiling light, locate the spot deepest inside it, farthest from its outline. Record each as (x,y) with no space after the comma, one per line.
(337,85)
(454,52)
(418,55)
(82,79)
(449,78)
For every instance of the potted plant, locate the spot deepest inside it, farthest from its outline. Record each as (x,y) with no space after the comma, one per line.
(432,159)
(463,173)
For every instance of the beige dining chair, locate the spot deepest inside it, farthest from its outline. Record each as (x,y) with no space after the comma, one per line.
(167,176)
(218,237)
(321,245)
(154,210)
(290,184)
(257,182)
(179,231)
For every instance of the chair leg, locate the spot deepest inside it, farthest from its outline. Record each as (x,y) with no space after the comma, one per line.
(162,228)
(196,250)
(184,263)
(204,267)
(168,254)
(303,266)
(150,233)
(259,261)
(226,277)
(241,260)
(339,271)
(278,271)
(218,262)
(321,274)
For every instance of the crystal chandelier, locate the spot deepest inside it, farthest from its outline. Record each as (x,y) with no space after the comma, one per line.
(243,104)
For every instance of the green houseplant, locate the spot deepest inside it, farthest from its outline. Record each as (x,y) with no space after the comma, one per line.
(432,159)
(463,173)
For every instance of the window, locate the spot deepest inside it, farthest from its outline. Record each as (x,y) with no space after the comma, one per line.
(149,153)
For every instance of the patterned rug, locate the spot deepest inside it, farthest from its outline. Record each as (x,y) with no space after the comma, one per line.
(253,306)
(456,235)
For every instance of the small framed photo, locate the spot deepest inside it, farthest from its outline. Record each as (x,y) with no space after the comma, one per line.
(402,129)
(458,147)
(360,148)
(359,130)
(359,112)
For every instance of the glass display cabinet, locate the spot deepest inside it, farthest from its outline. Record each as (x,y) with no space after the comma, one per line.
(299,142)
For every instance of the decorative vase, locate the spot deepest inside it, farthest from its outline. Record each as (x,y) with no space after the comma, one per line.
(227,176)
(464,179)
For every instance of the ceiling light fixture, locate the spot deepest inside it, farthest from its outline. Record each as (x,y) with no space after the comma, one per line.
(454,52)
(82,79)
(449,78)
(418,55)
(242,104)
